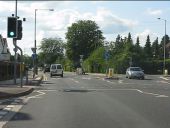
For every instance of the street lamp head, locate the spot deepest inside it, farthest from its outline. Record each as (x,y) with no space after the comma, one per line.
(51,9)
(158,18)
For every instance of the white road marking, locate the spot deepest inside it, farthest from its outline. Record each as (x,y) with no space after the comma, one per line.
(86,78)
(120,81)
(8,109)
(10,106)
(50,90)
(74,80)
(162,96)
(10,115)
(154,94)
(140,91)
(37,96)
(164,78)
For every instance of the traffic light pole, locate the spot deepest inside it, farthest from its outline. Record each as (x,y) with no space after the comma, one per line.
(15,49)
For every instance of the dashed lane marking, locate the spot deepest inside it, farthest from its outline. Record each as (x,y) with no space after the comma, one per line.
(86,78)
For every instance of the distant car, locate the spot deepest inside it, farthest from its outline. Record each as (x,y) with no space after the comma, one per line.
(47,69)
(135,72)
(56,70)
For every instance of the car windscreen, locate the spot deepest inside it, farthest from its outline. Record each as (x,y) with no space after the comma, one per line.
(135,69)
(59,67)
(53,67)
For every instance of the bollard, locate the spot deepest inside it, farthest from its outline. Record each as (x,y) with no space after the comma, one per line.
(110,72)
(166,72)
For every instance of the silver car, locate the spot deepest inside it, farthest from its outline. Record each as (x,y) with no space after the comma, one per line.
(135,72)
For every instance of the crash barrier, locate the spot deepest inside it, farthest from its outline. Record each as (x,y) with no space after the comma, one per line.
(7,70)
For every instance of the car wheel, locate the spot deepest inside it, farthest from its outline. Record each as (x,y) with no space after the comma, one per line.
(143,78)
(51,75)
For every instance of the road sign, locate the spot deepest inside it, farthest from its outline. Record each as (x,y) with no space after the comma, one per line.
(106,55)
(34,56)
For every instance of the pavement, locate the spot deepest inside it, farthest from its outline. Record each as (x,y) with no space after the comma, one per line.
(9,90)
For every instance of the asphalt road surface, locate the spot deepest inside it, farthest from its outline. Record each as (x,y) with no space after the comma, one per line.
(88,101)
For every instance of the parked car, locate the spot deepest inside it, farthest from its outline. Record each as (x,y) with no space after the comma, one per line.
(135,72)
(56,70)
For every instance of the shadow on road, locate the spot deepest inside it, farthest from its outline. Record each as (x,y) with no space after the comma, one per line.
(21,116)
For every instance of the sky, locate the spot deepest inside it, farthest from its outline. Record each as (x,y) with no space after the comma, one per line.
(113,18)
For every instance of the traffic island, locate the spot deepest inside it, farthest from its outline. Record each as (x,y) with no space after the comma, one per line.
(12,92)
(112,78)
(36,81)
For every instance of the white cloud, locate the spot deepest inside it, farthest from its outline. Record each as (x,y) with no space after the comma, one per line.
(154,12)
(113,23)
(55,23)
(143,36)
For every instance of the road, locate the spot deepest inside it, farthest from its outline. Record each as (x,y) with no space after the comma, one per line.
(88,101)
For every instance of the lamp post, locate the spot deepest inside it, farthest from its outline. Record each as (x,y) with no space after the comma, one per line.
(164,44)
(35,42)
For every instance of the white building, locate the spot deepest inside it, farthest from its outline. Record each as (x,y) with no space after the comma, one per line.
(4,50)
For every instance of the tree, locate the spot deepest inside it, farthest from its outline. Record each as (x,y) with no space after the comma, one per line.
(129,43)
(27,59)
(155,48)
(51,50)
(83,37)
(147,48)
(119,44)
(167,40)
(137,42)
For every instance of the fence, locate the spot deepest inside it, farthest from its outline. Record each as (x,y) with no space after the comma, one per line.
(7,70)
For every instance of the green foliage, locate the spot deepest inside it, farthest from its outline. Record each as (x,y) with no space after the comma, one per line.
(83,38)
(95,62)
(27,59)
(155,48)
(51,50)
(122,51)
(147,48)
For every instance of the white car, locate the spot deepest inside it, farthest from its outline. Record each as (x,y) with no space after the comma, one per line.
(56,70)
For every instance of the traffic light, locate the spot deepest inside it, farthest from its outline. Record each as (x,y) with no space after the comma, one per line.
(12,27)
(19,29)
